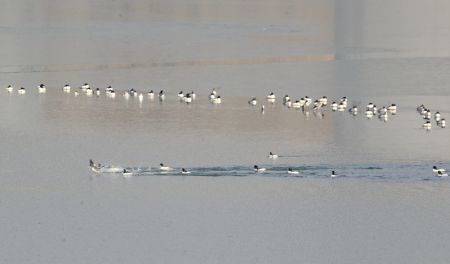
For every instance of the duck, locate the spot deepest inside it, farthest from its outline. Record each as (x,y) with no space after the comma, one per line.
(296,105)
(184,171)
(180,95)
(95,167)
(217,100)
(9,89)
(341,107)
(392,107)
(88,91)
(85,86)
(151,94)
(442,174)
(354,110)
(112,94)
(97,91)
(127,173)
(437,116)
(427,125)
(369,113)
(334,106)
(66,88)
(253,101)
(161,95)
(133,92)
(188,98)
(21,90)
(441,123)
(324,101)
(164,168)
(436,170)
(271,96)
(291,171)
(272,155)
(333,174)
(258,169)
(369,106)
(286,99)
(42,88)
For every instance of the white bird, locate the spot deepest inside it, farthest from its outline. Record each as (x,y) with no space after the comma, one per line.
(334,106)
(441,123)
(164,168)
(88,91)
(193,95)
(354,110)
(42,88)
(442,174)
(341,107)
(427,125)
(296,104)
(151,95)
(392,107)
(127,173)
(253,101)
(9,89)
(291,171)
(370,106)
(333,174)
(95,167)
(271,96)
(21,90)
(97,91)
(180,94)
(436,170)
(85,86)
(161,95)
(286,99)
(323,100)
(188,98)
(66,88)
(272,156)
(437,116)
(184,171)
(258,169)
(217,100)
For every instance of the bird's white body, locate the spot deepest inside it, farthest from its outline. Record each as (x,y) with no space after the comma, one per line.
(9,89)
(21,91)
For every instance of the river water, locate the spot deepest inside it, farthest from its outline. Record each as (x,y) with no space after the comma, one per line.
(385,206)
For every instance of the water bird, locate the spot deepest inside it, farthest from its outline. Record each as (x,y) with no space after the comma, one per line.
(286,99)
(42,88)
(217,100)
(436,170)
(272,155)
(21,90)
(85,86)
(324,101)
(97,91)
(95,167)
(291,171)
(333,174)
(141,97)
(184,171)
(354,110)
(66,88)
(253,101)
(341,107)
(151,94)
(9,89)
(180,94)
(369,106)
(258,169)
(427,125)
(296,105)
(271,96)
(127,173)
(442,174)
(392,107)
(441,123)
(437,116)
(161,95)
(334,106)
(164,168)
(187,99)
(88,91)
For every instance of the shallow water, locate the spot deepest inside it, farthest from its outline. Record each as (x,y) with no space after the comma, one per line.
(385,206)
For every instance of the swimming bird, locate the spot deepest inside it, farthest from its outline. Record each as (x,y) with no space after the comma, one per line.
(42,88)
(392,107)
(286,99)
(369,106)
(427,125)
(161,95)
(341,107)
(151,95)
(217,100)
(354,110)
(437,116)
(127,173)
(253,101)
(9,89)
(66,88)
(184,171)
(272,155)
(291,171)
(95,167)
(436,170)
(271,96)
(188,98)
(333,174)
(97,91)
(85,86)
(21,90)
(334,106)
(441,123)
(258,169)
(442,174)
(180,95)
(296,105)
(88,91)
(324,101)
(164,168)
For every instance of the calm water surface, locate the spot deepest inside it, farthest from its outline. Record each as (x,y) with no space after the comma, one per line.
(386,206)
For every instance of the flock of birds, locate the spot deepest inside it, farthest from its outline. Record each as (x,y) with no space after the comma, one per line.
(305,104)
